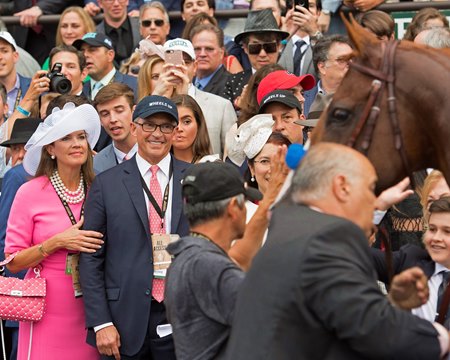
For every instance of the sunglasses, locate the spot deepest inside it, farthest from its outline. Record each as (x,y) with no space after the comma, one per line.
(269,47)
(148,23)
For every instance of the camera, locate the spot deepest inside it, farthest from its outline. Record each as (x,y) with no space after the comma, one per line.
(58,82)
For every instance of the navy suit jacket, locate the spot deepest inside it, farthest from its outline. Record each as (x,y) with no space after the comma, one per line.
(131,81)
(12,181)
(117,279)
(309,96)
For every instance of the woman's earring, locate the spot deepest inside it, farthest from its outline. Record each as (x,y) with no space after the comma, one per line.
(252,179)
(52,157)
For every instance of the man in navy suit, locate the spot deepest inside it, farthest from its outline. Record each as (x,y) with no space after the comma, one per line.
(114,104)
(124,314)
(99,53)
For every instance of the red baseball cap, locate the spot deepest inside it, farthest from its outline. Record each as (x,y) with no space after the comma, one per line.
(283,80)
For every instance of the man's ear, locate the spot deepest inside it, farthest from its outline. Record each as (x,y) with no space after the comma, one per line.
(321,67)
(341,188)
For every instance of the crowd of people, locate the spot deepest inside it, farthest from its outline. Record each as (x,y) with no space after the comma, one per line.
(144,172)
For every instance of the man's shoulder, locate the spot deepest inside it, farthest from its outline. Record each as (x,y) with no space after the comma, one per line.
(209,97)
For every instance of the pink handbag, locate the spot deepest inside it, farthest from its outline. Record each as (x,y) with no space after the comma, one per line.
(22,299)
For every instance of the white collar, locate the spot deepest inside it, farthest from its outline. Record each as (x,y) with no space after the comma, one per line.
(144,165)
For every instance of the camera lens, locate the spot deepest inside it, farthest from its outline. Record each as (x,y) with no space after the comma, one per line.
(60,84)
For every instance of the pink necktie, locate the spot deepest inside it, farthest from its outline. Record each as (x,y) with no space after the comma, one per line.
(155,228)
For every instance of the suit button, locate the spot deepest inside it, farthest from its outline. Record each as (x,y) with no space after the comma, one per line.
(147,292)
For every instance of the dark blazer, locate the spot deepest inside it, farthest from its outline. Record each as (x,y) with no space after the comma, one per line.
(309,96)
(131,81)
(105,159)
(117,279)
(311,294)
(217,83)
(235,84)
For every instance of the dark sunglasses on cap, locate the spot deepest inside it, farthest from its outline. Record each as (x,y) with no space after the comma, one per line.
(148,23)
(269,47)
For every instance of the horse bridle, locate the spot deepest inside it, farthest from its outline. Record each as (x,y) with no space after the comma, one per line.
(385,75)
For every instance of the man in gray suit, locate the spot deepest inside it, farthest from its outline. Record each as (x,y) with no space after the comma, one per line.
(114,104)
(311,292)
(297,54)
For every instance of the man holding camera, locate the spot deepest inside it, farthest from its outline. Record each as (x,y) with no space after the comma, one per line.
(73,66)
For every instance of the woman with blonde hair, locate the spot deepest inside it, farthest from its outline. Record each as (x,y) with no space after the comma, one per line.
(73,24)
(434,187)
(148,75)
(44,230)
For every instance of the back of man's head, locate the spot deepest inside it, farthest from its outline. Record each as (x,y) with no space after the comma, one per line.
(437,37)
(313,178)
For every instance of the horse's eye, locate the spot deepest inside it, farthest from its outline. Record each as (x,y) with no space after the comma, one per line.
(340,114)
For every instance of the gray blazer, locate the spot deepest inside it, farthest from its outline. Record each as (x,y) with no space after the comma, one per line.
(287,60)
(105,159)
(220,117)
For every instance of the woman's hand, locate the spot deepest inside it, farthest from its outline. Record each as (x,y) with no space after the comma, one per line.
(278,173)
(167,82)
(180,72)
(76,239)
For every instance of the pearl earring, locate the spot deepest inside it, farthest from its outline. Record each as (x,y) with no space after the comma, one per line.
(52,157)
(252,179)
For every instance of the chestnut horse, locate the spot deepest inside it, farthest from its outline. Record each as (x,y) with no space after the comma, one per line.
(393,105)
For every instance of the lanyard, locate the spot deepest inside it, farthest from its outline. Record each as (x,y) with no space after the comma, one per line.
(161,211)
(19,93)
(69,211)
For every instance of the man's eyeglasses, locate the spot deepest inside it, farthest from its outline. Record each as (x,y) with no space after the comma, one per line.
(341,61)
(269,47)
(149,127)
(148,23)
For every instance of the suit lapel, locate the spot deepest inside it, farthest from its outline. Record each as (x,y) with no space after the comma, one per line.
(307,60)
(133,185)
(177,202)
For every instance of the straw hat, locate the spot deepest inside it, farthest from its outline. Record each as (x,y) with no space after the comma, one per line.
(249,138)
(57,125)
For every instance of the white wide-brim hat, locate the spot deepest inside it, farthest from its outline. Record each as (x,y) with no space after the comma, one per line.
(249,138)
(57,125)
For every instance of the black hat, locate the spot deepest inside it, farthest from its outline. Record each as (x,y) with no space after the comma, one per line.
(155,104)
(260,21)
(214,181)
(285,97)
(22,131)
(94,39)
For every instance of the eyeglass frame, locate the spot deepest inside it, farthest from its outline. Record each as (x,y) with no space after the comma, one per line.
(147,124)
(157,22)
(262,46)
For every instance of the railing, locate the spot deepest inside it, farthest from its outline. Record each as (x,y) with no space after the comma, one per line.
(227,14)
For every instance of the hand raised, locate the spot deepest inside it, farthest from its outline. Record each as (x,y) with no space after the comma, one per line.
(409,289)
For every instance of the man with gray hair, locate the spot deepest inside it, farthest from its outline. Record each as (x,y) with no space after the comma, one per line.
(436,37)
(154,22)
(203,281)
(311,292)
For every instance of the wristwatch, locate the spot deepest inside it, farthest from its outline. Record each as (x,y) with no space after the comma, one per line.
(326,12)
(317,35)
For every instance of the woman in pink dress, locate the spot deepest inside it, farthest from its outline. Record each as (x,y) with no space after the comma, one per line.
(44,229)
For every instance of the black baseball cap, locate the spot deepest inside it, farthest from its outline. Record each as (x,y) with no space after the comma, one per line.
(94,39)
(214,181)
(22,131)
(285,97)
(155,104)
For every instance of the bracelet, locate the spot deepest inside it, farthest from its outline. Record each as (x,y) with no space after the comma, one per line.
(23,111)
(42,251)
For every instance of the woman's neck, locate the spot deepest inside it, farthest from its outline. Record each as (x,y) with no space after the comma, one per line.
(70,176)
(186,155)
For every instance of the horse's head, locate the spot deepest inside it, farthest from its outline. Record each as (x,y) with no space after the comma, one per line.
(395,134)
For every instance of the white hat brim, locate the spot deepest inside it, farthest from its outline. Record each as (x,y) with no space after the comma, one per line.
(69,119)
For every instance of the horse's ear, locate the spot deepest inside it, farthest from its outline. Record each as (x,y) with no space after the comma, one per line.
(359,36)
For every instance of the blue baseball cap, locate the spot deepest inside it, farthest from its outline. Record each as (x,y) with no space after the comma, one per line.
(94,39)
(155,104)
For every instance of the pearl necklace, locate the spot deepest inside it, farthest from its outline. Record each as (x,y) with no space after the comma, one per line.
(71,197)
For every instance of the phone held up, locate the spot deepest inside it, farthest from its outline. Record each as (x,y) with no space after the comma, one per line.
(174,57)
(303,3)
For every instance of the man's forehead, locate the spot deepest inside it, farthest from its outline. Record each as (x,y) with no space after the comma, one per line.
(159,118)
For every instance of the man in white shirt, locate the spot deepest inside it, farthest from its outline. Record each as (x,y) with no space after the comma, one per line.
(114,104)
